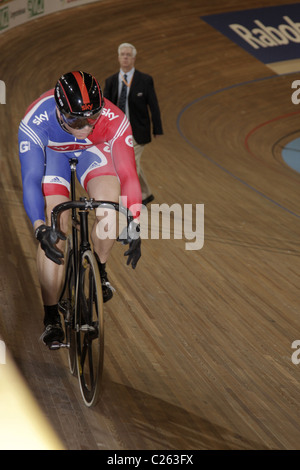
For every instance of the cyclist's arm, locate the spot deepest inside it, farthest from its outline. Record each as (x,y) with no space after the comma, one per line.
(124,161)
(32,160)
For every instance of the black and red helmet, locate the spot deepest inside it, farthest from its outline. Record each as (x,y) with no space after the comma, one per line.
(78,94)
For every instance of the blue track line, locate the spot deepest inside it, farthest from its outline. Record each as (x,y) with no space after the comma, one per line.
(211,159)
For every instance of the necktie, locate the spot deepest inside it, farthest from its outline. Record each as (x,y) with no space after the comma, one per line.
(123,95)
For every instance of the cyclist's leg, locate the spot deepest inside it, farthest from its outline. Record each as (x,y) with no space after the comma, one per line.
(97,175)
(105,188)
(56,190)
(50,273)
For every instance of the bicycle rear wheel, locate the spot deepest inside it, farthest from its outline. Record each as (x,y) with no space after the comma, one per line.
(89,324)
(66,305)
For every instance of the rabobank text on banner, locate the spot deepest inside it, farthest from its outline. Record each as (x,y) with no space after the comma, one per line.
(270,34)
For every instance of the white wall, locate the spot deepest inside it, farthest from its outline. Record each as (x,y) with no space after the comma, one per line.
(16,12)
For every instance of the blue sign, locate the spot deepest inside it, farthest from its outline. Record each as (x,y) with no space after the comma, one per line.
(291,154)
(270,34)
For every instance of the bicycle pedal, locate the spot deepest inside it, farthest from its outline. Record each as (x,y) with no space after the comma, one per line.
(55,345)
(90,330)
(87,328)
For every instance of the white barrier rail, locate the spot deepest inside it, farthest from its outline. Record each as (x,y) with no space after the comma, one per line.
(16,12)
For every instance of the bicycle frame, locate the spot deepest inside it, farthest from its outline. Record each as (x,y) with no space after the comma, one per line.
(84,205)
(88,316)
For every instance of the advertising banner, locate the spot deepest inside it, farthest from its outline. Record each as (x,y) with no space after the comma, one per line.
(272,34)
(16,12)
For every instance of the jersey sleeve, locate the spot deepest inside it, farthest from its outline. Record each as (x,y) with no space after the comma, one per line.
(32,158)
(124,161)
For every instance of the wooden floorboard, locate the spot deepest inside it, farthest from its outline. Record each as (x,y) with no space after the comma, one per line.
(198,343)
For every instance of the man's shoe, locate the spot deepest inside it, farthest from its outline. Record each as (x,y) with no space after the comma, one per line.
(147,200)
(53,335)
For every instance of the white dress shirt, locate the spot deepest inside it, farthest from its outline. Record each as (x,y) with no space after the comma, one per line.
(129,79)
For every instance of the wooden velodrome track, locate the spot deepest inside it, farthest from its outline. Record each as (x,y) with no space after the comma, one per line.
(198,343)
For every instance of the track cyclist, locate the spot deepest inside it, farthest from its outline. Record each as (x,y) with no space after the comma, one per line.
(74,120)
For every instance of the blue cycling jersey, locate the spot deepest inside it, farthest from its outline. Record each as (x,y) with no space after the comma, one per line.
(45,149)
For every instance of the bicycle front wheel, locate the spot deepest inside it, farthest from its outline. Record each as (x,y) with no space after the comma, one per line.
(66,304)
(89,325)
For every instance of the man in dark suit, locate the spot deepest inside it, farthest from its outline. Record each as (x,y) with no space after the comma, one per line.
(133,92)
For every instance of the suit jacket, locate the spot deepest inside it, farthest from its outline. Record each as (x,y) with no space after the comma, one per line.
(141,98)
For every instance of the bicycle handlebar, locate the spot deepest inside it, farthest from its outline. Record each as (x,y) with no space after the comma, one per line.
(86,204)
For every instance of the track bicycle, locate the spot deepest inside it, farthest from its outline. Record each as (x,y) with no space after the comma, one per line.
(81,302)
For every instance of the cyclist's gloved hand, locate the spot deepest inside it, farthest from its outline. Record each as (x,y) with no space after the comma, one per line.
(131,236)
(48,238)
(134,252)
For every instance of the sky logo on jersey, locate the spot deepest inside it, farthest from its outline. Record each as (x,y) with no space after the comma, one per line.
(111,116)
(42,117)
(269,34)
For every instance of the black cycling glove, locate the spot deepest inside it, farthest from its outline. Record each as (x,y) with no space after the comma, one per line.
(131,235)
(48,238)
